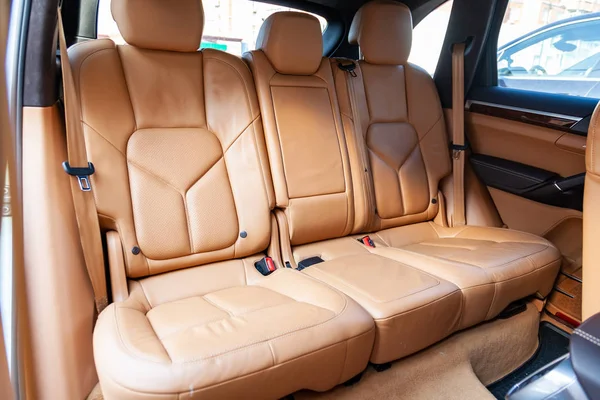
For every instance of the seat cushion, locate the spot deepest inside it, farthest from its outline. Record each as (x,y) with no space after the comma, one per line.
(412,309)
(492,266)
(190,331)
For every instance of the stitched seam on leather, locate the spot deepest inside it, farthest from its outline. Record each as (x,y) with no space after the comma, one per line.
(153,175)
(187,219)
(263,164)
(231,315)
(590,338)
(145,295)
(135,125)
(349,285)
(126,346)
(272,353)
(219,308)
(242,347)
(285,334)
(419,307)
(252,373)
(382,239)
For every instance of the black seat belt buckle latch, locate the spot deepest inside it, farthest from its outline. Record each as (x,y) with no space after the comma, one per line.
(82,173)
(266,266)
(367,241)
(349,68)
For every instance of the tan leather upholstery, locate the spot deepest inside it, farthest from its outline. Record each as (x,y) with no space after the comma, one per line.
(209,332)
(313,184)
(412,309)
(304,137)
(492,266)
(591,217)
(292,42)
(182,177)
(407,144)
(159,24)
(383,30)
(151,186)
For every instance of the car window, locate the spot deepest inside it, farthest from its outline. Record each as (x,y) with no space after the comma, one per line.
(229,25)
(551,47)
(428,38)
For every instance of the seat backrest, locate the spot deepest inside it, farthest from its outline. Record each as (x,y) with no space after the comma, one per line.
(176,138)
(304,135)
(401,117)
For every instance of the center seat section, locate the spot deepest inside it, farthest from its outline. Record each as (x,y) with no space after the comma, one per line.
(176,138)
(396,131)
(314,197)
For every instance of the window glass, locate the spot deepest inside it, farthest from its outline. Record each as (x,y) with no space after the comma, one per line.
(551,46)
(428,38)
(229,25)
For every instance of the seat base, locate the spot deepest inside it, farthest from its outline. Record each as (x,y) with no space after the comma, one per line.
(192,331)
(412,309)
(492,266)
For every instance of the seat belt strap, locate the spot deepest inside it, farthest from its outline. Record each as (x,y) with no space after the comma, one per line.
(354,84)
(458,132)
(80,169)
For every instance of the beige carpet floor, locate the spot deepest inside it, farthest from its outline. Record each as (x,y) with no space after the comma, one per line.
(457,368)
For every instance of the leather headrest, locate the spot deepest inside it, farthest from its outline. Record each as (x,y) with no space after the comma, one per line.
(383,30)
(293,42)
(160,24)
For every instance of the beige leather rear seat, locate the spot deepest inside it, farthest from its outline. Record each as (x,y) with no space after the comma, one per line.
(313,186)
(403,138)
(176,138)
(330,183)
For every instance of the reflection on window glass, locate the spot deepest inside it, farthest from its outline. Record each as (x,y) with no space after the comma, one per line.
(551,47)
(428,38)
(229,25)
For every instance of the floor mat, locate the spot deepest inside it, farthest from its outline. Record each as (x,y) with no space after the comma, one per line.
(554,343)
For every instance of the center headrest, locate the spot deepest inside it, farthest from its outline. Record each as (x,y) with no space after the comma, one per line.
(383,30)
(293,42)
(160,24)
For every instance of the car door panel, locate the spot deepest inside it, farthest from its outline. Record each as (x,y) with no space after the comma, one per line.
(532,145)
(520,162)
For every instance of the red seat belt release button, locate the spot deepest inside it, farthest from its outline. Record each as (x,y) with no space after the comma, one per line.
(366,240)
(265,266)
(270,264)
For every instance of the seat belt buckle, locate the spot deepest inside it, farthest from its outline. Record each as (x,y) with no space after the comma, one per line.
(367,241)
(82,173)
(348,68)
(457,149)
(266,266)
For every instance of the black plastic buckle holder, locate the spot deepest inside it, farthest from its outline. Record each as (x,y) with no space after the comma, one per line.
(348,68)
(82,173)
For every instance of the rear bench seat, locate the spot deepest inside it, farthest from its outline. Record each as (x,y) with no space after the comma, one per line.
(422,281)
(181,175)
